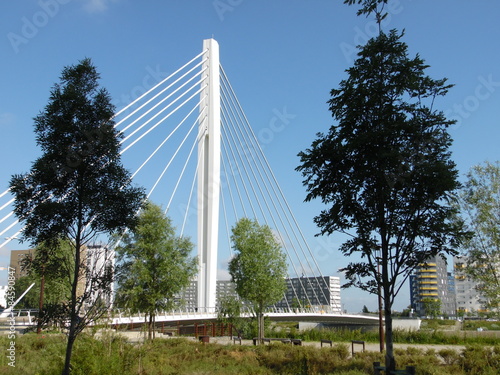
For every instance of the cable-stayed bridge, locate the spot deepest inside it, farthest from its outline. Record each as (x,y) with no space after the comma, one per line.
(189,143)
(189,316)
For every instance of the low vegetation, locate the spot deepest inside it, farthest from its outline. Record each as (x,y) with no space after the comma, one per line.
(424,336)
(112,354)
(474,325)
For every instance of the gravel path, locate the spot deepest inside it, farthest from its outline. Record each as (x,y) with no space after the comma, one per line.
(138,337)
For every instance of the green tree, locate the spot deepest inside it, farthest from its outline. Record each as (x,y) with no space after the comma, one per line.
(432,307)
(229,312)
(479,204)
(48,266)
(259,267)
(154,265)
(78,188)
(30,300)
(384,170)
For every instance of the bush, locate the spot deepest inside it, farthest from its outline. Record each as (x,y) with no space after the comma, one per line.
(449,356)
(480,360)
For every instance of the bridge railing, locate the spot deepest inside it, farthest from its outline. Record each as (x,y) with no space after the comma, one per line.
(125,316)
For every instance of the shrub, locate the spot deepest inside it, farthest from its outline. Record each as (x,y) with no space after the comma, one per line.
(479,359)
(449,356)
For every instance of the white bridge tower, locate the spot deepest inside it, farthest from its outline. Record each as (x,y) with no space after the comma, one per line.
(209,177)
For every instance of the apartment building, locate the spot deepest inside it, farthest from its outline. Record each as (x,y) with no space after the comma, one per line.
(318,292)
(468,298)
(322,293)
(16,261)
(431,281)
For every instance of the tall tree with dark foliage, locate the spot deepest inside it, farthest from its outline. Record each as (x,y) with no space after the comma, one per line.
(78,188)
(383,170)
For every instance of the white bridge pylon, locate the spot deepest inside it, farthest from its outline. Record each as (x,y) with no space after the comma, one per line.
(209,155)
(188,141)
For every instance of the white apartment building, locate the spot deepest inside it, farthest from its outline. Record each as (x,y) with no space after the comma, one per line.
(467,297)
(321,293)
(100,259)
(318,292)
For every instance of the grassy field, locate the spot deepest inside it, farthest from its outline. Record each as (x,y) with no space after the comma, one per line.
(112,354)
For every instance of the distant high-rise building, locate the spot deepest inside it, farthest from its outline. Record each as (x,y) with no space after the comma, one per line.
(468,297)
(100,264)
(188,298)
(452,295)
(16,261)
(225,288)
(321,292)
(431,281)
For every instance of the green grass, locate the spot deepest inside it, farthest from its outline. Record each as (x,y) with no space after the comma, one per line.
(473,325)
(431,337)
(437,323)
(110,355)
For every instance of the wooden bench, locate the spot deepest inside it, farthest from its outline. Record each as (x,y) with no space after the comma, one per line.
(356,342)
(296,342)
(204,339)
(326,342)
(235,338)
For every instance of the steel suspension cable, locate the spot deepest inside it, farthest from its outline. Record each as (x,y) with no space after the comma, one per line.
(162,119)
(233,154)
(235,122)
(283,226)
(156,96)
(164,108)
(187,159)
(163,142)
(268,169)
(157,85)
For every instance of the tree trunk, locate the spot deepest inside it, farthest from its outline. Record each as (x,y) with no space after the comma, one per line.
(154,324)
(150,320)
(390,361)
(260,323)
(69,349)
(73,314)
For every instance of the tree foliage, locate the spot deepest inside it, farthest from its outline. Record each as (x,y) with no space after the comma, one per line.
(479,204)
(432,307)
(259,266)
(384,170)
(229,312)
(48,266)
(78,188)
(370,6)
(155,265)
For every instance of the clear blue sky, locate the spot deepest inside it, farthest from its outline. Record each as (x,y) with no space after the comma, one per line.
(279,55)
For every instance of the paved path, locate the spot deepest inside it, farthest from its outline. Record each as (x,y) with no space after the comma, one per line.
(138,337)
